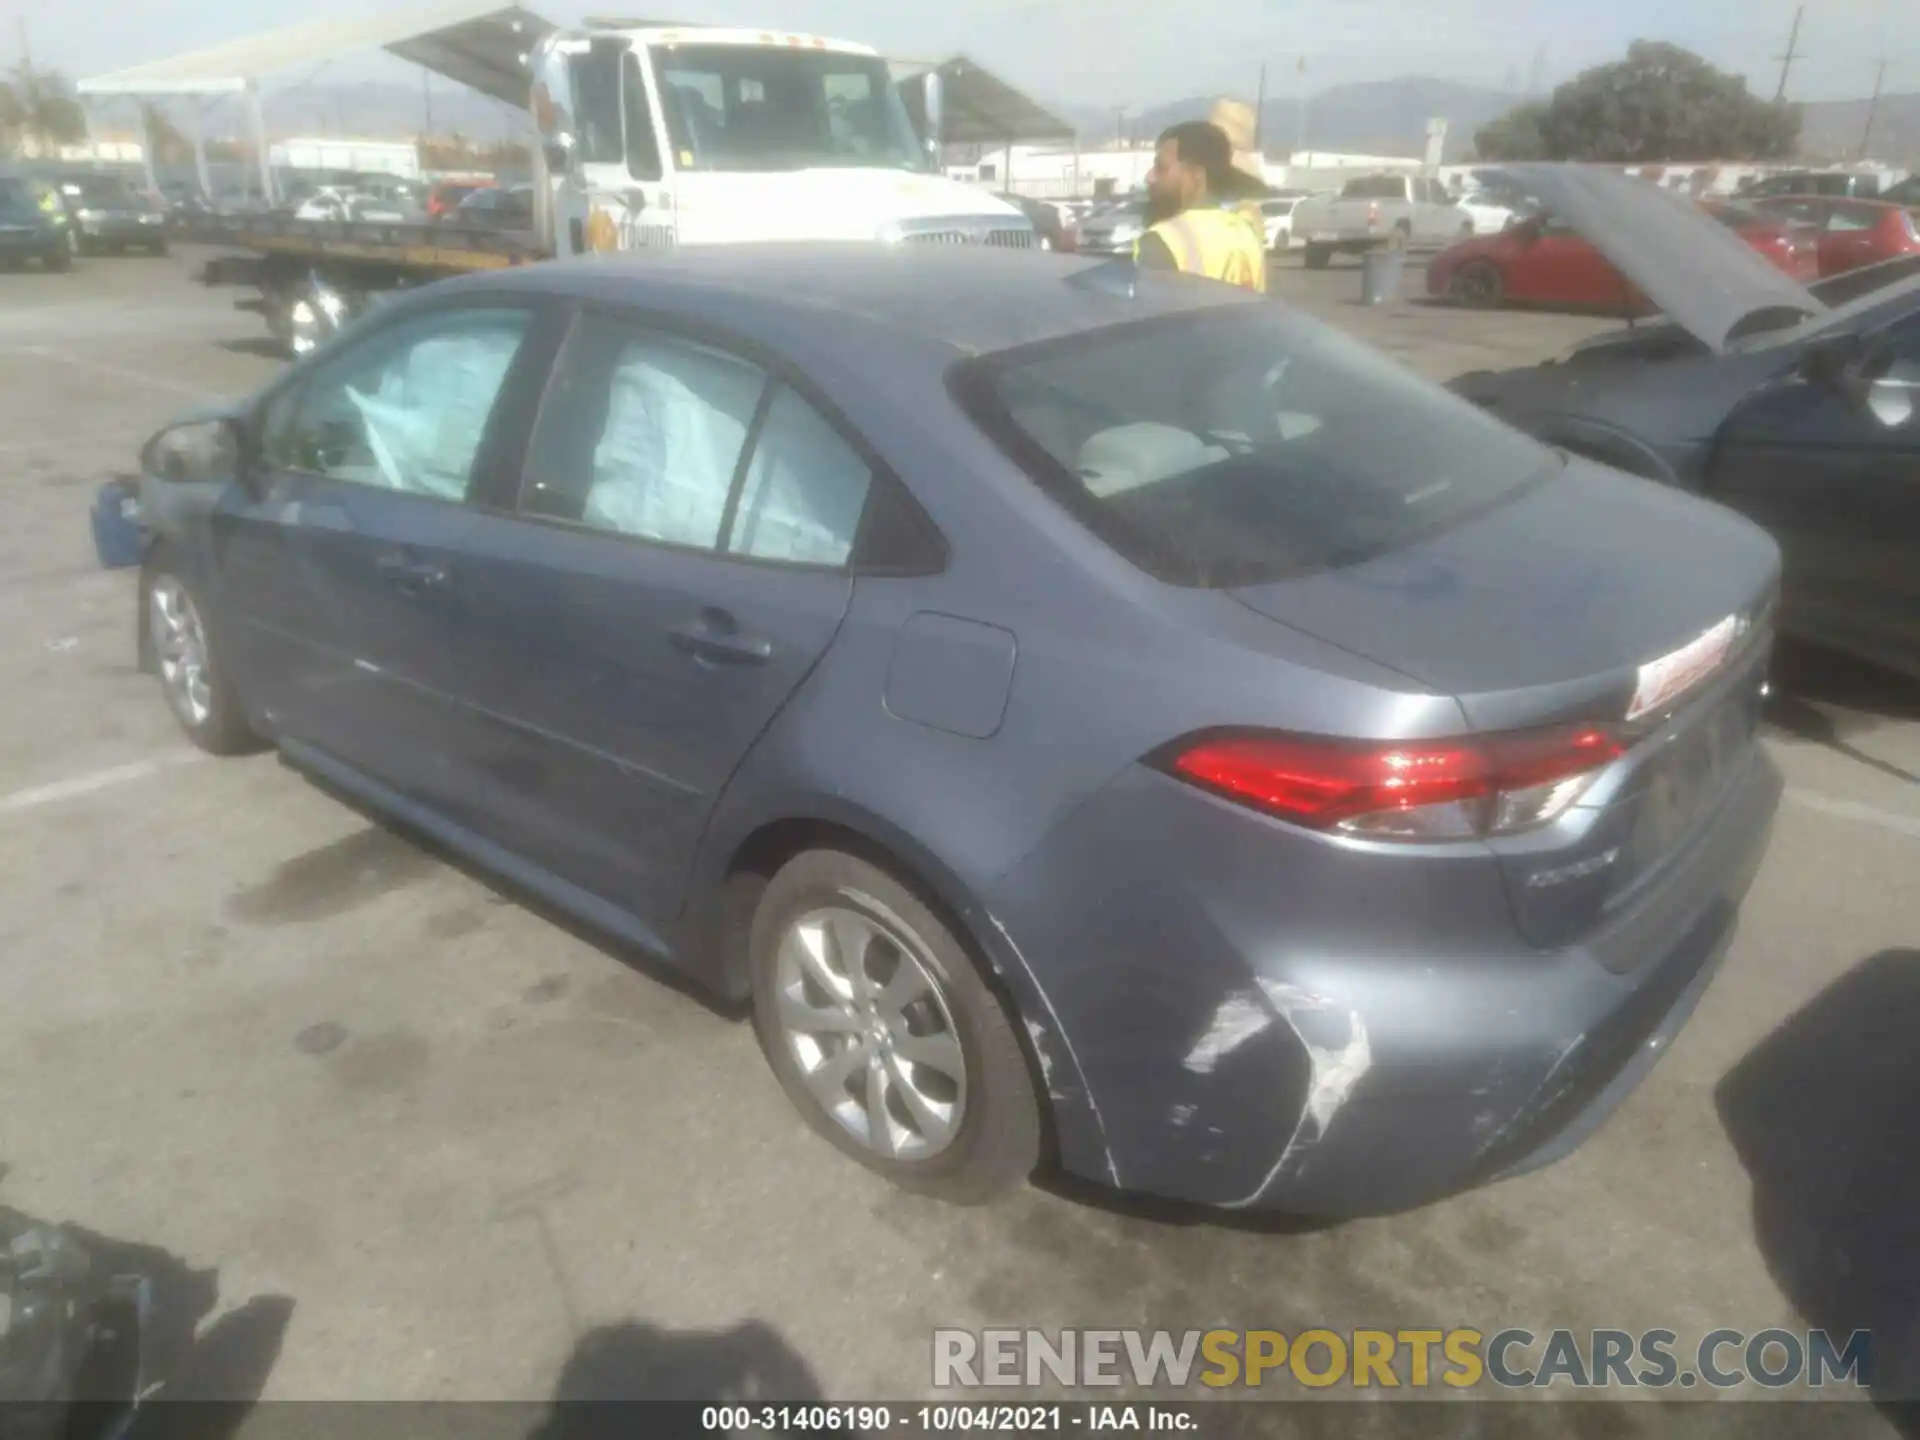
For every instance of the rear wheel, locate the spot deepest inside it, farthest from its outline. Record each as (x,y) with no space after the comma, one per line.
(1318,256)
(1402,236)
(1477,284)
(884,1034)
(59,258)
(157,247)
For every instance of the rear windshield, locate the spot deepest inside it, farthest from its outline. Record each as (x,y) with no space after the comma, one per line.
(1244,444)
(1375,187)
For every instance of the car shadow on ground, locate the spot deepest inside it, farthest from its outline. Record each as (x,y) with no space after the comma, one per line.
(1821,1113)
(1153,1209)
(632,956)
(1831,700)
(197,1382)
(615,1365)
(262,347)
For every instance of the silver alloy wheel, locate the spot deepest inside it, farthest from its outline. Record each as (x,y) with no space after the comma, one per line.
(180,645)
(866,1022)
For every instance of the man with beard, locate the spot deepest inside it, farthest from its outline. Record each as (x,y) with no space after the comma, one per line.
(1194,221)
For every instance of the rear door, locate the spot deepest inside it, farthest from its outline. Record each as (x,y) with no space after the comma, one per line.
(342,561)
(669,569)
(1840,489)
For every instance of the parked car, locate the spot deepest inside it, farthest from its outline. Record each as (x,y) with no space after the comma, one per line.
(1797,406)
(1907,193)
(1545,261)
(1376,210)
(1277,213)
(1115,229)
(1848,233)
(1054,232)
(1286,788)
(445,197)
(28,232)
(507,207)
(1842,183)
(107,214)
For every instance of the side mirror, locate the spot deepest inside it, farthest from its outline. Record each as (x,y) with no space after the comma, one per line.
(199,452)
(559,155)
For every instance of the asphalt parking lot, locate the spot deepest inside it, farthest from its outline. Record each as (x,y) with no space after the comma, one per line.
(418,1141)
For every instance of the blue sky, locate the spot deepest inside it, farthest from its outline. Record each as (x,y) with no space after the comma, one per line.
(1140,52)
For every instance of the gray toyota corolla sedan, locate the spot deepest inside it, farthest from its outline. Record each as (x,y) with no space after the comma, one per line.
(1096,719)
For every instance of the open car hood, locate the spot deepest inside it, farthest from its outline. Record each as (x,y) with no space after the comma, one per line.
(1709,280)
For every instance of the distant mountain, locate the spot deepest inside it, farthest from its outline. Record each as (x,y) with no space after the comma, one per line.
(1832,130)
(1389,117)
(1380,117)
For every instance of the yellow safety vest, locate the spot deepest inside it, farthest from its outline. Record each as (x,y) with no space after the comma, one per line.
(1218,244)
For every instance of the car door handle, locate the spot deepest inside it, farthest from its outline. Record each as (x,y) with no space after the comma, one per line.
(410,572)
(715,638)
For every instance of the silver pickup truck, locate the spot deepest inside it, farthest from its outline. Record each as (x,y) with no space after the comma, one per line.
(1375,210)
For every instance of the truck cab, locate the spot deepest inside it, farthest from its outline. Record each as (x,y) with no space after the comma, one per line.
(693,135)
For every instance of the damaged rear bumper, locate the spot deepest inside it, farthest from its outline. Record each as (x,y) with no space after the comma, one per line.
(1266,1020)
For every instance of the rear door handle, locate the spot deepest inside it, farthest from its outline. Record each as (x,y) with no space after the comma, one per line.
(714,637)
(410,571)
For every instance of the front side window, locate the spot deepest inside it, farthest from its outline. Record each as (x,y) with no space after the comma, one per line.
(747,107)
(1245,444)
(596,96)
(406,408)
(1848,218)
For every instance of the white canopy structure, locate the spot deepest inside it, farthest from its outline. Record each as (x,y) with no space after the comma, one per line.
(478,43)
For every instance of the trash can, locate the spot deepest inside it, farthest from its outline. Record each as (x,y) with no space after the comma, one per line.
(1380,274)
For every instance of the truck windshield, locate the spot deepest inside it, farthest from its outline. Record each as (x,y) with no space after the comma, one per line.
(743,107)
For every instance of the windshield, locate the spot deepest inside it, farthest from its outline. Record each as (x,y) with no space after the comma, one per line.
(1281,446)
(101,190)
(15,200)
(742,107)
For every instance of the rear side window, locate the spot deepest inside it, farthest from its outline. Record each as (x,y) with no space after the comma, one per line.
(647,434)
(1852,217)
(1244,444)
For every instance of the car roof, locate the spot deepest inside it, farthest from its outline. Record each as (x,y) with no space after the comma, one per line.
(971,299)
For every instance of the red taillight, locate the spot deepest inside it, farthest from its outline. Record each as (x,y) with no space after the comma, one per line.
(1427,790)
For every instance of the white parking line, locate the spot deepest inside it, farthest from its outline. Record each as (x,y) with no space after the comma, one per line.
(119,372)
(79,785)
(1908,825)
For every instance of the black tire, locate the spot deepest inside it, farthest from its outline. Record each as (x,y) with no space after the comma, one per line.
(1478,285)
(157,248)
(1318,257)
(1402,237)
(58,259)
(224,729)
(998,1141)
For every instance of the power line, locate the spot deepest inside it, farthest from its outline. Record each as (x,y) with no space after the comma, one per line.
(1873,106)
(1793,54)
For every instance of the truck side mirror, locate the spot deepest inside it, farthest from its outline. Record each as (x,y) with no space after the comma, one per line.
(559,155)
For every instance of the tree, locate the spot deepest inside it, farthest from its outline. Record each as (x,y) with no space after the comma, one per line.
(165,144)
(1520,134)
(1660,103)
(48,115)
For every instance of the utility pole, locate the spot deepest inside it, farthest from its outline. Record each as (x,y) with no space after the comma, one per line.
(1873,106)
(426,99)
(1300,79)
(1120,126)
(1793,54)
(1260,108)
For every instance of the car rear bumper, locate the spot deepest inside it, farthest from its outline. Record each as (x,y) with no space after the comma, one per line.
(1267,1019)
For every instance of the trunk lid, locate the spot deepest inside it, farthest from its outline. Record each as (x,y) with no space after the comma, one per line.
(1594,596)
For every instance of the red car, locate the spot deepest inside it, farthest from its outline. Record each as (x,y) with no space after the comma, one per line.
(1543,262)
(1849,233)
(443,199)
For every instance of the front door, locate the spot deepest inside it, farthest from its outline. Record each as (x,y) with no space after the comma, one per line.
(342,556)
(670,570)
(1839,488)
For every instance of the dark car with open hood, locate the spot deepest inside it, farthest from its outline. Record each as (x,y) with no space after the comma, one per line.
(1797,405)
(1284,786)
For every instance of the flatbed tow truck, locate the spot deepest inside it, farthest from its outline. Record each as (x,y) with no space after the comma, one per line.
(649,137)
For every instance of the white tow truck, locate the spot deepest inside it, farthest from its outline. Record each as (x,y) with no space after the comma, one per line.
(649,137)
